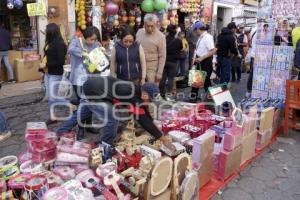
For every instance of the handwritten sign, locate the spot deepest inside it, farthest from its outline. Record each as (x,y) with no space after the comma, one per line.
(36,9)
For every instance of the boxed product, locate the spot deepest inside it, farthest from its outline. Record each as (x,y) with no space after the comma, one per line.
(27,70)
(36,131)
(206,170)
(228,163)
(248,146)
(203,147)
(266,119)
(232,138)
(277,116)
(263,138)
(246,126)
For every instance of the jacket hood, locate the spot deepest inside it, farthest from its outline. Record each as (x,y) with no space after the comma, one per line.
(226,31)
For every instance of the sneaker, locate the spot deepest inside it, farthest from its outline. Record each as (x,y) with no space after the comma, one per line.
(5,136)
(11,81)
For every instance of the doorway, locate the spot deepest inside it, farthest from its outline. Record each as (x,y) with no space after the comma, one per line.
(224,17)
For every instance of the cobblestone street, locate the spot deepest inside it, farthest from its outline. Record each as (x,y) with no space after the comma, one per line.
(274,175)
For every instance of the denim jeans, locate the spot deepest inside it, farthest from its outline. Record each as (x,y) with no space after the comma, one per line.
(4,57)
(4,128)
(183,67)
(225,69)
(103,111)
(250,78)
(52,86)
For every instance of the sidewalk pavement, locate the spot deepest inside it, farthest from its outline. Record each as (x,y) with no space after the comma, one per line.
(19,89)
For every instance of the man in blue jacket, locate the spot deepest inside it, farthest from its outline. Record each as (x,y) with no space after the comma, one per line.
(5,45)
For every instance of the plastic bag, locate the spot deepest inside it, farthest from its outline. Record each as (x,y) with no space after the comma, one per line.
(197,78)
(65,86)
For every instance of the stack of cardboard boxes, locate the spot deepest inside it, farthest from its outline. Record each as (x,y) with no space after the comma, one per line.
(24,70)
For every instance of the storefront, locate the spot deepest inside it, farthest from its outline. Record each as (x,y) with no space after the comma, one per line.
(24,34)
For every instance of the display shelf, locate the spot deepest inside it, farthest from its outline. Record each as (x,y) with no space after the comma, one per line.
(212,188)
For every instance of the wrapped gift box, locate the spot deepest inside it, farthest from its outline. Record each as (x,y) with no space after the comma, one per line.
(228,163)
(232,138)
(206,171)
(263,139)
(203,147)
(248,146)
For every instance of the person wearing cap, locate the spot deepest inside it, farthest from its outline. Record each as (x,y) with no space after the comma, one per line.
(103,94)
(227,47)
(203,56)
(236,61)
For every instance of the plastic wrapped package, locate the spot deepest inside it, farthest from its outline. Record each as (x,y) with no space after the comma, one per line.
(36,131)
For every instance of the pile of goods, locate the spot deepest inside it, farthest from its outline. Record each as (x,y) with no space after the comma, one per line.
(207,146)
(190,6)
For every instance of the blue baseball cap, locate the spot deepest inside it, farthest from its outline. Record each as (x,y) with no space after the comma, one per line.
(199,25)
(152,89)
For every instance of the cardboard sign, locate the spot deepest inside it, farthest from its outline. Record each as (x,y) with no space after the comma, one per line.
(36,9)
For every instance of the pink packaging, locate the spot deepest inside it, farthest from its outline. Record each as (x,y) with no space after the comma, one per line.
(65,172)
(192,130)
(3,186)
(232,138)
(35,131)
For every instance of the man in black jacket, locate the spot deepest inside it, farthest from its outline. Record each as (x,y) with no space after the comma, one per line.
(227,47)
(102,94)
(5,45)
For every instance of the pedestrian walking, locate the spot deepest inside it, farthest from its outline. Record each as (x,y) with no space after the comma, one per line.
(154,45)
(203,56)
(5,46)
(174,47)
(183,57)
(227,47)
(55,51)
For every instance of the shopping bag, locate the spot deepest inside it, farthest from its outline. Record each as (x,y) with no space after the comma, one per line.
(197,78)
(65,86)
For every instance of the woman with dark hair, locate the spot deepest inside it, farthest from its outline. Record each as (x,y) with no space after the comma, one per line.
(174,47)
(77,48)
(54,58)
(128,60)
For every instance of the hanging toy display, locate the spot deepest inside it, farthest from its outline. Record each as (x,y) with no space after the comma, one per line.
(190,6)
(18,4)
(147,6)
(81,14)
(10,4)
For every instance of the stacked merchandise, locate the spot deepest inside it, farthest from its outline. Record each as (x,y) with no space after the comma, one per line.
(273,64)
(207,147)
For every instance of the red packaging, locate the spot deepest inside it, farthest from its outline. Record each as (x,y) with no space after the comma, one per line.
(170,126)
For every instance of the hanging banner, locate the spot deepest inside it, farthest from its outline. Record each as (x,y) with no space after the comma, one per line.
(36,9)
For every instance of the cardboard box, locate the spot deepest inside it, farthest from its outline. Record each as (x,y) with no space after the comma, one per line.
(263,139)
(27,70)
(278,116)
(3,73)
(252,119)
(266,119)
(203,147)
(248,146)
(206,171)
(229,162)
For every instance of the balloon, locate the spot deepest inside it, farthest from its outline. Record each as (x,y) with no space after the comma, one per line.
(160,4)
(18,4)
(10,4)
(111,8)
(147,6)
